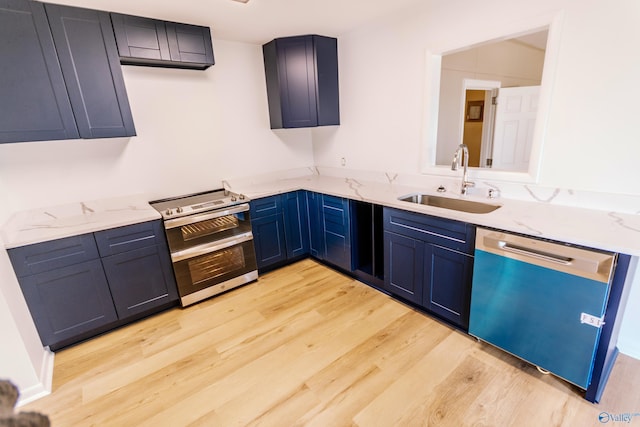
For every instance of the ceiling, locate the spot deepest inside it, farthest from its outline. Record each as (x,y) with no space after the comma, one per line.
(258,21)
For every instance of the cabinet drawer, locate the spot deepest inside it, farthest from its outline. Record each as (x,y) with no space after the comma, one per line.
(130,237)
(335,213)
(333,202)
(47,256)
(266,206)
(451,234)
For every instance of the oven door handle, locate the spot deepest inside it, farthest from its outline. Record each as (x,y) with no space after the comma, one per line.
(179,222)
(211,247)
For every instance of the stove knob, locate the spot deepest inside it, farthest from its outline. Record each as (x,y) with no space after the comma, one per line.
(168,212)
(179,210)
(233,198)
(241,197)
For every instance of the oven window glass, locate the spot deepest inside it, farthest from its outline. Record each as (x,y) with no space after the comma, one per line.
(208,227)
(216,264)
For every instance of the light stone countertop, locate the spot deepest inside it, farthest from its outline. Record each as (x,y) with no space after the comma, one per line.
(612,231)
(56,222)
(607,230)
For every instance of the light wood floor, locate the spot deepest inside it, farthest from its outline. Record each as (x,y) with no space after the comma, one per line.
(308,346)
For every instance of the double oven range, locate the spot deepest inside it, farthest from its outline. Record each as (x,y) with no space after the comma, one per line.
(211,243)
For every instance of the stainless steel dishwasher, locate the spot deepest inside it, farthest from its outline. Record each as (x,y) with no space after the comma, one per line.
(541,301)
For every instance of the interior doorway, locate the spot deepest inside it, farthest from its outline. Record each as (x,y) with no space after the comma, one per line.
(478,118)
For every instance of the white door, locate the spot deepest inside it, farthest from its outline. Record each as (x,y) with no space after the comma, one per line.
(515,122)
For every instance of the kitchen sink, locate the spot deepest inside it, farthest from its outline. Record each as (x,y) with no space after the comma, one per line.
(448,203)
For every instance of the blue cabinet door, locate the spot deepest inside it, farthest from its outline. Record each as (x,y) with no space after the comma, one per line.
(35,105)
(447,290)
(404,270)
(296,224)
(268,237)
(336,231)
(68,302)
(302,81)
(267,224)
(297,82)
(316,233)
(190,45)
(140,280)
(90,64)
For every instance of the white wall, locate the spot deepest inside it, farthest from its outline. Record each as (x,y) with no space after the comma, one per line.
(23,360)
(194,128)
(592,142)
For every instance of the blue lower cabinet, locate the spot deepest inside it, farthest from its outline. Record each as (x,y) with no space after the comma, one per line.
(268,237)
(299,223)
(140,280)
(280,228)
(429,262)
(316,232)
(81,286)
(448,284)
(68,302)
(336,231)
(404,267)
(296,224)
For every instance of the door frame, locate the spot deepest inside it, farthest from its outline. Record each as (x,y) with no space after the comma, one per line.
(489,86)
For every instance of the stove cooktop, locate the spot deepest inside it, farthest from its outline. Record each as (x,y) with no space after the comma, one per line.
(176,207)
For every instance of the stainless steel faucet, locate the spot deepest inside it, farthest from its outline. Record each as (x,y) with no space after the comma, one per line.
(462,152)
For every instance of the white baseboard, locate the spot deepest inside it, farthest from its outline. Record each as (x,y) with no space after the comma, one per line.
(43,388)
(631,349)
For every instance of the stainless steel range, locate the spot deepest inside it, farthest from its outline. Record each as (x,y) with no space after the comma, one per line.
(211,243)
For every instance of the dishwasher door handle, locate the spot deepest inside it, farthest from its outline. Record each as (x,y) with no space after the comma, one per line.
(591,264)
(542,255)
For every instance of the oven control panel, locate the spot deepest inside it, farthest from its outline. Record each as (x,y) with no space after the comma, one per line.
(183,206)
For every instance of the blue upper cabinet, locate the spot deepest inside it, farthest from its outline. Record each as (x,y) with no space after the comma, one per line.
(61,71)
(151,42)
(91,68)
(302,81)
(35,105)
